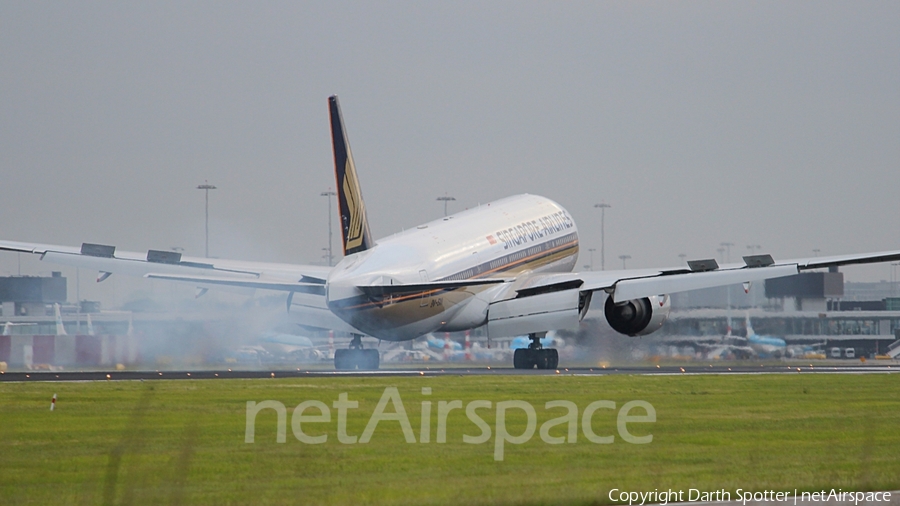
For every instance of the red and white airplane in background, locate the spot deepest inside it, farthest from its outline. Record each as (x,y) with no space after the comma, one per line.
(506,265)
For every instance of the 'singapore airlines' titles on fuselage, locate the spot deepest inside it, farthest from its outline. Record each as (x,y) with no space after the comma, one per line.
(533,230)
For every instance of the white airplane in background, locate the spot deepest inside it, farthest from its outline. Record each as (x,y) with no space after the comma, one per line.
(764,346)
(505,265)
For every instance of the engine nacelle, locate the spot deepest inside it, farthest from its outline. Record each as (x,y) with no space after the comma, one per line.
(637,317)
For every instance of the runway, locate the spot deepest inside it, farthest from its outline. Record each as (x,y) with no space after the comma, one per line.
(450,370)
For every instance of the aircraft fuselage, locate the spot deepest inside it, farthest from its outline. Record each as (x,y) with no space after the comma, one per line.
(505,237)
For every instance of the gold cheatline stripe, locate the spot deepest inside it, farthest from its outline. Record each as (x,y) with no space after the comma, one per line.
(354,206)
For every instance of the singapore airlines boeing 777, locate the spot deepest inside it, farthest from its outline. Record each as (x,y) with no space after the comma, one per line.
(506,265)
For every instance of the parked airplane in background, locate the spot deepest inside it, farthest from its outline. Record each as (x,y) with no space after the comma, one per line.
(505,265)
(289,345)
(764,346)
(60,328)
(443,344)
(8,326)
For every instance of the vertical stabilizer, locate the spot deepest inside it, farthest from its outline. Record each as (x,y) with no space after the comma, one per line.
(60,328)
(354,223)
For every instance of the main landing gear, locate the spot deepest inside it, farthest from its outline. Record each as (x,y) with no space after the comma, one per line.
(535,355)
(356,357)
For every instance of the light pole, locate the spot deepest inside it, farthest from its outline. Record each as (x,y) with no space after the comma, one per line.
(816,251)
(445,199)
(894,266)
(592,250)
(727,246)
(603,206)
(206,187)
(329,194)
(623,258)
(753,247)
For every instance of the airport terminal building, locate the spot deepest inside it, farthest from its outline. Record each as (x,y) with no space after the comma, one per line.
(806,309)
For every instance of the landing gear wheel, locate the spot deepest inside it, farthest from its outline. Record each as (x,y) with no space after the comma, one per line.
(356,357)
(343,360)
(542,359)
(521,359)
(526,358)
(369,360)
(552,358)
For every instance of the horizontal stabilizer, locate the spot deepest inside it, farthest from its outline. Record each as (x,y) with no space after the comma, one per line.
(314,289)
(312,312)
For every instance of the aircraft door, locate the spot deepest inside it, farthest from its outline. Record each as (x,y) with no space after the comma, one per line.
(423,277)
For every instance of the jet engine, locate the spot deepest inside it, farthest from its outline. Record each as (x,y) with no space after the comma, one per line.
(637,317)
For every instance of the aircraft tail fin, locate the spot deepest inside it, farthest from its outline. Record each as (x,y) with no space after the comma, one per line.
(750,331)
(354,223)
(60,328)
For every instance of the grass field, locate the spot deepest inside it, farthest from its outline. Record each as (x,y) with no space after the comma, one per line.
(183,442)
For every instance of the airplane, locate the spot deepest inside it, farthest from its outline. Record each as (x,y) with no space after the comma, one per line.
(443,344)
(506,266)
(7,327)
(447,349)
(753,345)
(735,346)
(764,346)
(806,351)
(289,345)
(60,328)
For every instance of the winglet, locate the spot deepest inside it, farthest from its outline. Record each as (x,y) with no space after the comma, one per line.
(354,223)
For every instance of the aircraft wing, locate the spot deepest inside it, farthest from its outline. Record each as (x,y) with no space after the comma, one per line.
(171,265)
(540,302)
(638,283)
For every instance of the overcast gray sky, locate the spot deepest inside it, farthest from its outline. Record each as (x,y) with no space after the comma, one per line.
(770,123)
